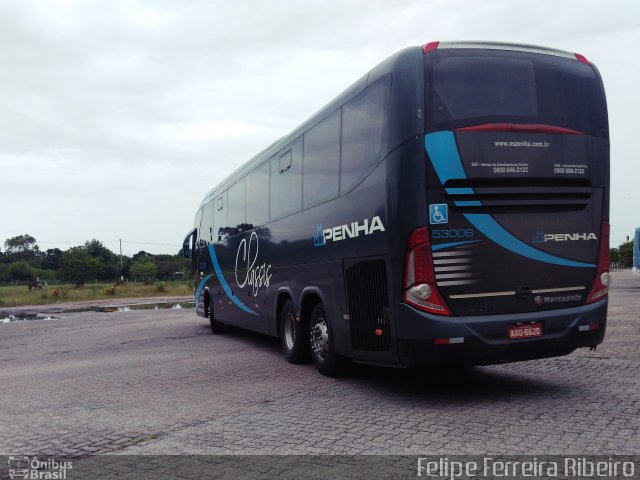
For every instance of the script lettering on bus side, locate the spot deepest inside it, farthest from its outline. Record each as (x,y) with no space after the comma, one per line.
(256,276)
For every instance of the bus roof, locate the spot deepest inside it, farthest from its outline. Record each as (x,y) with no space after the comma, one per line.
(520,47)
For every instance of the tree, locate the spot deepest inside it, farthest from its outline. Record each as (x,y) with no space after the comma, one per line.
(614,255)
(109,264)
(141,255)
(51,259)
(22,247)
(144,268)
(168,265)
(20,270)
(625,252)
(76,265)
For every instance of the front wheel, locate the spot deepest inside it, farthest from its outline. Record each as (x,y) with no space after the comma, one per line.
(322,346)
(216,326)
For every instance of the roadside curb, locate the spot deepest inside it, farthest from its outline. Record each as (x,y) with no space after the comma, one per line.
(124,304)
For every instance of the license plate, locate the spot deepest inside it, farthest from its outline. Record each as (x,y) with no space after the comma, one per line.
(524,330)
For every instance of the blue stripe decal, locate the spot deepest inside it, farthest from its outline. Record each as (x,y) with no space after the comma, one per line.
(460,191)
(452,244)
(225,285)
(201,286)
(441,147)
(443,152)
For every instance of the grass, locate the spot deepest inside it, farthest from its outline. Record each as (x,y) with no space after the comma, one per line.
(15,296)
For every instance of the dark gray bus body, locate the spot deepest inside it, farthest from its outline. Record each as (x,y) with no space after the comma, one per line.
(514,215)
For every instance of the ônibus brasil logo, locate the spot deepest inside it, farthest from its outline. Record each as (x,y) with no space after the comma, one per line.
(346,231)
(33,468)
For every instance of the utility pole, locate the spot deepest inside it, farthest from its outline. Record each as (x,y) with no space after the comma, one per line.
(121,274)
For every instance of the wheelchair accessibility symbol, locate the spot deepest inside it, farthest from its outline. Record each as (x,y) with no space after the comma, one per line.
(438,213)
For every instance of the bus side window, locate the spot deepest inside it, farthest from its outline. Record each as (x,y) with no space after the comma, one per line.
(197,223)
(285,161)
(195,255)
(363,127)
(206,223)
(286,181)
(258,196)
(321,164)
(220,226)
(236,208)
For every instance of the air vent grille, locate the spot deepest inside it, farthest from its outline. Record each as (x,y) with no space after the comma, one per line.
(368,306)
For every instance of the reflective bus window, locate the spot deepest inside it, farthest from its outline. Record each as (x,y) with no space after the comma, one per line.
(258,196)
(206,223)
(285,161)
(512,87)
(201,236)
(220,218)
(363,124)
(236,207)
(286,181)
(321,161)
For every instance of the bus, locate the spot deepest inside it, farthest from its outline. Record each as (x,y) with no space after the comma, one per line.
(451,206)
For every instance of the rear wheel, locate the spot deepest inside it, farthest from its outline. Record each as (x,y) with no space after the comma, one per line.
(216,326)
(322,346)
(292,335)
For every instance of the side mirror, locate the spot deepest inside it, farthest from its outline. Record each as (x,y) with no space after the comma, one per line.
(188,243)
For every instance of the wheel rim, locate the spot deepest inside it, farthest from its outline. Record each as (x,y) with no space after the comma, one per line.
(289,331)
(320,339)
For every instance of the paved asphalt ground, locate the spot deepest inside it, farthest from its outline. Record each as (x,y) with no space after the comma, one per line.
(158,382)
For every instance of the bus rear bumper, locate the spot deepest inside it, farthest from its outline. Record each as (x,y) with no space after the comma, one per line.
(481,340)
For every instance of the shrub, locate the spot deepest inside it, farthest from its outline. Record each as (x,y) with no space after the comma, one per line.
(161,287)
(20,270)
(144,269)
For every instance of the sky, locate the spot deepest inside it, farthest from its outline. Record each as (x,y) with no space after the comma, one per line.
(116,117)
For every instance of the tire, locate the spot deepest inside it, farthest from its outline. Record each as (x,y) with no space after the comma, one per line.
(216,327)
(321,344)
(293,336)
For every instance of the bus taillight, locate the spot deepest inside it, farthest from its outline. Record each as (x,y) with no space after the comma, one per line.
(419,278)
(601,284)
(427,47)
(582,58)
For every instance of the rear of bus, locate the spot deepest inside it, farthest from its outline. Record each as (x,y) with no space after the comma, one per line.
(512,262)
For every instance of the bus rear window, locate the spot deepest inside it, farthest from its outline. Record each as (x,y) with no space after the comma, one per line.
(467,87)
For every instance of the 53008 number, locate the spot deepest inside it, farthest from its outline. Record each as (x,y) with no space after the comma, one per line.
(453,233)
